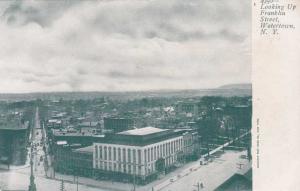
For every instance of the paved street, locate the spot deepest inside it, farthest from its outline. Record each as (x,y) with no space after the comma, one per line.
(211,175)
(39,154)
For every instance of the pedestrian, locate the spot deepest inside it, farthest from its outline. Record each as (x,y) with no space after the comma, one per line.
(201,185)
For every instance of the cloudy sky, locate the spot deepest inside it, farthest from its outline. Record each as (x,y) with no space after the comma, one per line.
(116,45)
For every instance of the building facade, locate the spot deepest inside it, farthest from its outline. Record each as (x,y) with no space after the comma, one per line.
(13,143)
(74,160)
(141,152)
(187,107)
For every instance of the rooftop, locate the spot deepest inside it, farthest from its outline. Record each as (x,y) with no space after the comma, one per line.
(56,132)
(142,131)
(89,124)
(141,137)
(13,125)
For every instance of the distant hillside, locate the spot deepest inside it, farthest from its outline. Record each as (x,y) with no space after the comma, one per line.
(226,91)
(236,86)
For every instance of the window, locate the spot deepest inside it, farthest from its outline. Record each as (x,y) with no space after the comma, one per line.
(134,169)
(124,155)
(158,153)
(134,155)
(181,144)
(115,154)
(174,146)
(110,166)
(152,154)
(109,153)
(119,154)
(160,148)
(139,156)
(96,164)
(129,155)
(124,168)
(166,149)
(148,154)
(119,166)
(129,169)
(96,151)
(105,153)
(100,152)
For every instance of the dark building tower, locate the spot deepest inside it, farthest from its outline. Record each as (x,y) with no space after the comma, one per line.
(118,124)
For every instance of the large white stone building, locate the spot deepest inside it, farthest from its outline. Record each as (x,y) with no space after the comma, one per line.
(136,152)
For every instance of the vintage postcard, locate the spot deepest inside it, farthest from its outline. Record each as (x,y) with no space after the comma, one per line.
(148,95)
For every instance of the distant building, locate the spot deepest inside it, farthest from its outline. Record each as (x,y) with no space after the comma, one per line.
(92,125)
(83,138)
(190,142)
(141,153)
(118,124)
(13,142)
(54,124)
(187,107)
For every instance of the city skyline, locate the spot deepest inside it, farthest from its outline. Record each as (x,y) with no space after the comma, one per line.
(55,46)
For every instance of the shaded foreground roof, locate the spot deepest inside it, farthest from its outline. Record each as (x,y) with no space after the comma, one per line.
(13,125)
(237,181)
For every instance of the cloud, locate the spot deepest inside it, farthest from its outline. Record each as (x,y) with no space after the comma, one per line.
(123,45)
